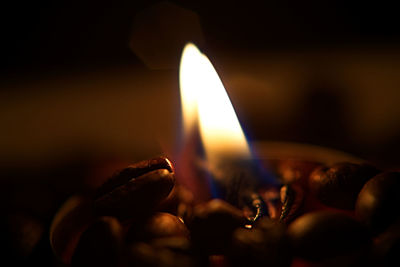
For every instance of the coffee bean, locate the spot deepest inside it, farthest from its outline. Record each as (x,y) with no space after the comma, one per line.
(179,202)
(166,225)
(137,197)
(212,226)
(387,246)
(323,234)
(265,244)
(75,215)
(175,243)
(160,225)
(378,202)
(100,245)
(135,192)
(20,233)
(149,255)
(338,185)
(134,170)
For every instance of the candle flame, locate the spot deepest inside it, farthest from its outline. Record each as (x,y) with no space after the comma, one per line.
(205,104)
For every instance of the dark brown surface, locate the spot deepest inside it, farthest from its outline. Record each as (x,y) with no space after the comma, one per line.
(131,172)
(378,202)
(318,235)
(159,225)
(100,245)
(266,244)
(338,185)
(321,235)
(73,90)
(68,224)
(212,226)
(140,195)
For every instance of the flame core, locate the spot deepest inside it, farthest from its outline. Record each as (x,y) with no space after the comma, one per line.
(189,85)
(205,103)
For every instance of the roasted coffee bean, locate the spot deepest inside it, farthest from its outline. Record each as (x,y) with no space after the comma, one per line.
(360,258)
(132,171)
(100,245)
(386,249)
(148,255)
(160,225)
(166,225)
(175,243)
(179,202)
(20,235)
(378,202)
(212,226)
(75,215)
(323,234)
(265,244)
(134,196)
(338,185)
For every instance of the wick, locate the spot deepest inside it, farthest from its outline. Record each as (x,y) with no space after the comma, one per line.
(251,219)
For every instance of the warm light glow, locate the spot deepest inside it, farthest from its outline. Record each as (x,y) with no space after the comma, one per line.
(189,85)
(205,101)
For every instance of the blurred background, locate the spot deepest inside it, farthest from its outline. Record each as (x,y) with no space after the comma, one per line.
(85,83)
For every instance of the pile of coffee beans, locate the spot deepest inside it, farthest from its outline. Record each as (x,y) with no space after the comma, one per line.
(345,214)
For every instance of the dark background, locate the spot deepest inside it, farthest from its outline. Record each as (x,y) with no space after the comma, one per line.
(67,34)
(341,56)
(86,84)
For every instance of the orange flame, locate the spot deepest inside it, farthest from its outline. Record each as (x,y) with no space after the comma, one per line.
(205,103)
